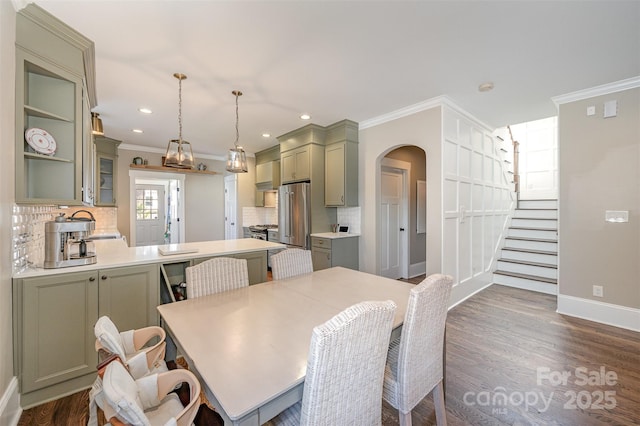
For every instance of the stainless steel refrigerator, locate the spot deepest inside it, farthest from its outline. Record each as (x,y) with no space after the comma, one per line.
(294,212)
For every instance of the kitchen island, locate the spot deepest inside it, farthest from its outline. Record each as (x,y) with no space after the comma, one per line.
(55,310)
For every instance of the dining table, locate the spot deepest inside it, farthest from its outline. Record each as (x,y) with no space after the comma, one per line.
(248,347)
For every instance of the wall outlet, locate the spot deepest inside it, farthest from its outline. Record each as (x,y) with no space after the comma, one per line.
(598,291)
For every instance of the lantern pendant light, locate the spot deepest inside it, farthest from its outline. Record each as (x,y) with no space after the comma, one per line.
(179,153)
(237,159)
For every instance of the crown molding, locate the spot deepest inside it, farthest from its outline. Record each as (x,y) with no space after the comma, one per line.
(438,101)
(605,89)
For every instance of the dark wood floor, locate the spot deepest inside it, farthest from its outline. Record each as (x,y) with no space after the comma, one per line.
(503,347)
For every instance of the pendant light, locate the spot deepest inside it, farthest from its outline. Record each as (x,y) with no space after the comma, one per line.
(179,153)
(96,124)
(237,159)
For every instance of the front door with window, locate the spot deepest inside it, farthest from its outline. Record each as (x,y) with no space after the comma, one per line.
(150,215)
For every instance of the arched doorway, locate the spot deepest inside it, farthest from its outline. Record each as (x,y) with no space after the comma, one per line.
(402,212)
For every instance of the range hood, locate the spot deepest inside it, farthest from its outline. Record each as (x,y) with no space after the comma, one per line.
(268,176)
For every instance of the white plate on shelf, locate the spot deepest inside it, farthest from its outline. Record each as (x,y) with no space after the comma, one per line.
(40,141)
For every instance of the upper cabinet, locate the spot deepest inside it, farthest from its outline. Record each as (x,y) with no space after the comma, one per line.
(302,154)
(268,169)
(341,165)
(54,92)
(106,170)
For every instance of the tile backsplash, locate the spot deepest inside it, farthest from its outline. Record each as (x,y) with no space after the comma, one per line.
(259,216)
(28,230)
(349,216)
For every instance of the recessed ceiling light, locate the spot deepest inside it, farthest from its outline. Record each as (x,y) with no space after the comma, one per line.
(305,117)
(145,110)
(137,131)
(266,135)
(485,87)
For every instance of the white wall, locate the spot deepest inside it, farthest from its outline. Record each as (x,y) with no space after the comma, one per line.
(464,173)
(9,407)
(204,207)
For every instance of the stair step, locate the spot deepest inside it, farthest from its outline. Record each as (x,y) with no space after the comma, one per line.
(538,204)
(534,223)
(530,256)
(545,234)
(527,282)
(531,244)
(536,269)
(536,214)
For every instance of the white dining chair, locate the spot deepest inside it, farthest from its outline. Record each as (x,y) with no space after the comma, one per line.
(216,275)
(291,263)
(148,401)
(345,369)
(415,360)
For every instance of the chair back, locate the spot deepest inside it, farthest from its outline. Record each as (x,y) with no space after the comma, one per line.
(290,263)
(109,337)
(420,362)
(345,368)
(216,275)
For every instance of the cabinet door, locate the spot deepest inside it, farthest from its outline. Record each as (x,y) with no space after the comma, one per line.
(58,314)
(334,175)
(106,179)
(303,164)
(129,296)
(321,258)
(288,167)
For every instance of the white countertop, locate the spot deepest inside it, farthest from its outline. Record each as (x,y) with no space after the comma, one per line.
(333,235)
(115,253)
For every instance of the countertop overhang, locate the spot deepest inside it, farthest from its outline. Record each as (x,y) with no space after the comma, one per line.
(116,253)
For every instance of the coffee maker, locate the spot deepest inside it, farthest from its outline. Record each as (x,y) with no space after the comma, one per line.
(66,241)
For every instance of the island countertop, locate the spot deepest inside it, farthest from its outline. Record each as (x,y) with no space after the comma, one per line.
(115,253)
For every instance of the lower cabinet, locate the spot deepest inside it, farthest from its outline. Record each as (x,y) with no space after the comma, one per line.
(54,316)
(330,252)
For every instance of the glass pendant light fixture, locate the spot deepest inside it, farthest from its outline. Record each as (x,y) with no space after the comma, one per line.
(179,153)
(237,159)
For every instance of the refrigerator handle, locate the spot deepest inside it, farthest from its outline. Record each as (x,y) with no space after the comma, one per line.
(307,225)
(290,213)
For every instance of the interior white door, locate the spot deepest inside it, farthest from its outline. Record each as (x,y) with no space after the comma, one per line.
(150,214)
(230,208)
(390,223)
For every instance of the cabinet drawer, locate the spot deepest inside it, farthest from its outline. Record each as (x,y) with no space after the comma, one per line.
(320,242)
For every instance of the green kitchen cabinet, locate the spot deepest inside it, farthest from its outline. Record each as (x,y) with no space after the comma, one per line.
(55,91)
(106,170)
(256,264)
(329,252)
(54,317)
(296,165)
(341,165)
(53,339)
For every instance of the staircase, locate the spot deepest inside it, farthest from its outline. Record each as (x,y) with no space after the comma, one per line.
(529,259)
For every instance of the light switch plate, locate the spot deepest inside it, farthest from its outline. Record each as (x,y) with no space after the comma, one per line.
(610,108)
(591,110)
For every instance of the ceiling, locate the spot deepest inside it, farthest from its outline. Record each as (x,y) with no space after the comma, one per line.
(340,59)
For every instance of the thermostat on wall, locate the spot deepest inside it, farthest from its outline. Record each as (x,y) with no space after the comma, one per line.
(344,229)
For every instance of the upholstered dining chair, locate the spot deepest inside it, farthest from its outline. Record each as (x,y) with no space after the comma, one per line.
(290,263)
(415,360)
(345,367)
(216,275)
(148,401)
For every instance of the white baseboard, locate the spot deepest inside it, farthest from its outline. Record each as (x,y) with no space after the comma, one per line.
(605,313)
(416,269)
(10,409)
